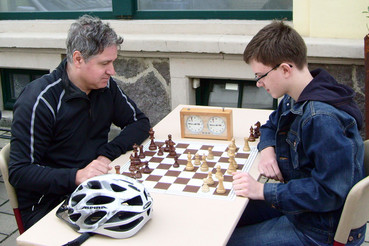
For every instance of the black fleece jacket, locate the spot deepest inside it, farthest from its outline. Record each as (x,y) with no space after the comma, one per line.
(58,129)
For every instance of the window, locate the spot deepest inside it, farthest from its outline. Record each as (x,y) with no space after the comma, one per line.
(233,93)
(14,80)
(147,9)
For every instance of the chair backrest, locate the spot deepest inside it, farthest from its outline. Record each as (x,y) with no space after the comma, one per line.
(366,156)
(355,212)
(4,160)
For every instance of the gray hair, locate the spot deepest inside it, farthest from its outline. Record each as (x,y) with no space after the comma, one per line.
(90,36)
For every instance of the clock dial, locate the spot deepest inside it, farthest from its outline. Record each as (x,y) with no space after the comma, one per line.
(216,125)
(194,124)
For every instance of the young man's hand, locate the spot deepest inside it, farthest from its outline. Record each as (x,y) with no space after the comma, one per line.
(247,186)
(268,165)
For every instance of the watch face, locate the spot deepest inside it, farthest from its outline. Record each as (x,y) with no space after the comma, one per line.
(194,124)
(216,125)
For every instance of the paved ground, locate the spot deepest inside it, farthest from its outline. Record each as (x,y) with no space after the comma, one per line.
(8,227)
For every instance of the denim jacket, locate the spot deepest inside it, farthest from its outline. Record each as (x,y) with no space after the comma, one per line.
(320,153)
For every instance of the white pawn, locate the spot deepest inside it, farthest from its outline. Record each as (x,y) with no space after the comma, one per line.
(231,168)
(189,166)
(210,154)
(210,179)
(220,189)
(204,166)
(205,187)
(197,159)
(218,173)
(246,147)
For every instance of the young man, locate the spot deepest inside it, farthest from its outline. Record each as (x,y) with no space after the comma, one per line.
(62,120)
(311,144)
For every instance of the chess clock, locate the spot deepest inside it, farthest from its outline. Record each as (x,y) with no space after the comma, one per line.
(208,123)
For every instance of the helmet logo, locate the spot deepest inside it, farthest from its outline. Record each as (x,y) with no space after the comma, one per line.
(94,207)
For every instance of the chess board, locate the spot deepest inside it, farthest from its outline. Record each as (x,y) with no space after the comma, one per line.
(165,178)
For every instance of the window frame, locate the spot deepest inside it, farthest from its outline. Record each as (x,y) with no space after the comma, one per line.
(127,9)
(204,90)
(6,82)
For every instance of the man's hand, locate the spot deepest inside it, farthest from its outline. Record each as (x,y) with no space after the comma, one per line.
(268,165)
(247,186)
(95,168)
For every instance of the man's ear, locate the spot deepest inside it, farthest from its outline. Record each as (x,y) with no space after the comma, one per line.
(287,69)
(77,58)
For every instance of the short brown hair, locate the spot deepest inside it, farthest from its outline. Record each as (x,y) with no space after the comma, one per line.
(277,43)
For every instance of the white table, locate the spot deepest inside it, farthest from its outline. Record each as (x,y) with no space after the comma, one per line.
(176,220)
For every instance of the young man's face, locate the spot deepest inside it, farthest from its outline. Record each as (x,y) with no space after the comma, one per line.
(270,78)
(95,73)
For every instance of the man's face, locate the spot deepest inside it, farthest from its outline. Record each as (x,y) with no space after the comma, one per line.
(95,73)
(272,82)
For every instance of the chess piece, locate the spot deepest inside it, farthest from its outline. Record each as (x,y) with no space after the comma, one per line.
(117,169)
(232,147)
(210,179)
(135,151)
(233,162)
(146,169)
(176,164)
(205,187)
(160,151)
(189,166)
(204,166)
(233,144)
(231,168)
(251,137)
(197,159)
(210,154)
(257,129)
(152,145)
(166,148)
(220,189)
(246,147)
(138,174)
(172,149)
(218,173)
(142,154)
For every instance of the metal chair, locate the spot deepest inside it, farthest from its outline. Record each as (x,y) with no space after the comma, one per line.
(355,212)
(4,160)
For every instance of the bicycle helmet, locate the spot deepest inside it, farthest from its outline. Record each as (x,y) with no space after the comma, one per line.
(113,205)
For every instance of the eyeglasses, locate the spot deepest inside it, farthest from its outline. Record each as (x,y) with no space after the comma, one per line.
(257,78)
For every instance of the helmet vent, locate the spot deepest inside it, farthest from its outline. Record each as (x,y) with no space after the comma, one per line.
(74,217)
(94,185)
(100,200)
(122,215)
(134,201)
(76,199)
(117,188)
(125,227)
(95,217)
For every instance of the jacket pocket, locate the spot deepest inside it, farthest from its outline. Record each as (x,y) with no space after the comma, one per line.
(293,141)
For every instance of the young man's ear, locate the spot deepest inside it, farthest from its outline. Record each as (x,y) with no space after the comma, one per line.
(77,58)
(287,69)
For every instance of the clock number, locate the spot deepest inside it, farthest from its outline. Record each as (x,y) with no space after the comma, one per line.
(194,124)
(216,125)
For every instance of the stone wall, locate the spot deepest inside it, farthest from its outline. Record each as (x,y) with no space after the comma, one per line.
(147,82)
(351,75)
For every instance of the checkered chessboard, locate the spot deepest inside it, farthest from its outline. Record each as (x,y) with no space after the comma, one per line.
(165,178)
